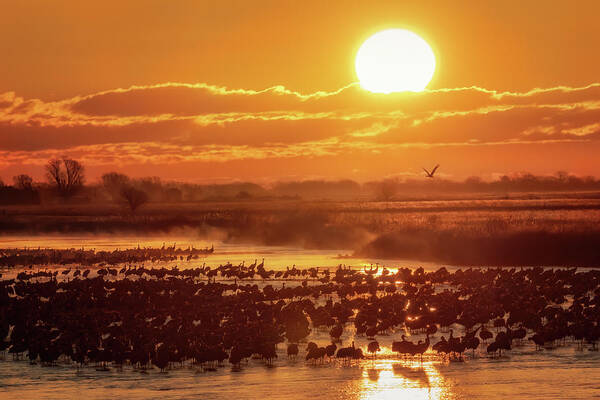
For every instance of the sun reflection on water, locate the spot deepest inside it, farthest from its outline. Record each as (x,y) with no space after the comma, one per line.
(387,379)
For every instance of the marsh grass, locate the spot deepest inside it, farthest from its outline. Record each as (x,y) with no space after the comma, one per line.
(463,232)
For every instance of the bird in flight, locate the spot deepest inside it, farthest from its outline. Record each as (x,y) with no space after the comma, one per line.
(430,173)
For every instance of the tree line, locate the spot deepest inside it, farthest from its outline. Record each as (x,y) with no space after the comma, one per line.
(66,182)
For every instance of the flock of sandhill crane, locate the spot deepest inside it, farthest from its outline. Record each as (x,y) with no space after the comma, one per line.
(169,317)
(10,258)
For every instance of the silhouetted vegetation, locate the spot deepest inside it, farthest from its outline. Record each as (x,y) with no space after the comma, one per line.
(514,220)
(12,195)
(66,180)
(22,192)
(481,232)
(319,189)
(134,198)
(529,248)
(65,176)
(113,183)
(23,182)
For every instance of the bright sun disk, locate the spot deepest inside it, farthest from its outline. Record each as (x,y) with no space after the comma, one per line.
(395,60)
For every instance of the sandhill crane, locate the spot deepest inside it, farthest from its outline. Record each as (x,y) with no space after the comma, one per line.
(432,172)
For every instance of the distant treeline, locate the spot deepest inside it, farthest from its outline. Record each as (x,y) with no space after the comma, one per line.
(12,195)
(517,183)
(66,182)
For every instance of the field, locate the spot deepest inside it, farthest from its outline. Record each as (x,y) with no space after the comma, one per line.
(532,230)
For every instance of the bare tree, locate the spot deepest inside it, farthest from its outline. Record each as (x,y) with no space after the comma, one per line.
(54,173)
(23,182)
(66,175)
(134,198)
(74,171)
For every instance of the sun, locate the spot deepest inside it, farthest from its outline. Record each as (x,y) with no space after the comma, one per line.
(395,60)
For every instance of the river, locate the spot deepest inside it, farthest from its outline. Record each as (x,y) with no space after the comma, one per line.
(563,372)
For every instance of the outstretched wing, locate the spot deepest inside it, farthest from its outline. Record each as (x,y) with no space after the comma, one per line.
(435,169)
(427,172)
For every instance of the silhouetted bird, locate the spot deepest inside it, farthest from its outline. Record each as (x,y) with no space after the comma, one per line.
(432,172)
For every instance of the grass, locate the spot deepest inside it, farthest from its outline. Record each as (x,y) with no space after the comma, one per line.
(555,231)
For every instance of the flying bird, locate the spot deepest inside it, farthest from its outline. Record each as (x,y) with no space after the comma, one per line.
(430,174)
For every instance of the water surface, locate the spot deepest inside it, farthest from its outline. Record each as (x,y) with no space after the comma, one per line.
(564,372)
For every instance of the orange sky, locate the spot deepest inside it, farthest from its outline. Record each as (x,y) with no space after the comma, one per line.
(264,90)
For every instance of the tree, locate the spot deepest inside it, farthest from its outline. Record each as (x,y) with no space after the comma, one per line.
(134,198)
(66,175)
(114,183)
(23,182)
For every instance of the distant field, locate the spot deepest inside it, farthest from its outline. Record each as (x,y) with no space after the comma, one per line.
(532,230)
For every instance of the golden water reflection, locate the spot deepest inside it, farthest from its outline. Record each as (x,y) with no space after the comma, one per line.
(276,257)
(393,379)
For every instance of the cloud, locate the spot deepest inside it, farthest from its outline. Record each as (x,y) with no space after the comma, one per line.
(177,122)
(201,99)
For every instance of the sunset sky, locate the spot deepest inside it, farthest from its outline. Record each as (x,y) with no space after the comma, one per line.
(266,90)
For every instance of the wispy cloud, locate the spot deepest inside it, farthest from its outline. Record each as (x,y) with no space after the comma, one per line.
(177,122)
